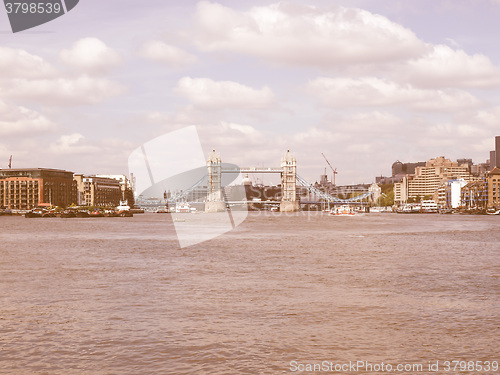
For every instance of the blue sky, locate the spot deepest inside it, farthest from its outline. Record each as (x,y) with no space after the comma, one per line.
(364,82)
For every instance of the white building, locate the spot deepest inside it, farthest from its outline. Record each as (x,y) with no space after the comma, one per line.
(456,192)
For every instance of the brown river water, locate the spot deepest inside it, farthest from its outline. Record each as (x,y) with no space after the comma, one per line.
(279,294)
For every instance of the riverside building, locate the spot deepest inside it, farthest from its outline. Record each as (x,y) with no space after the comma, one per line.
(98,191)
(126,187)
(429,178)
(475,194)
(27,188)
(493,180)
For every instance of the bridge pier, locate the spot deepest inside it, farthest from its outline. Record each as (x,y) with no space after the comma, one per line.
(289,201)
(289,206)
(215,206)
(215,201)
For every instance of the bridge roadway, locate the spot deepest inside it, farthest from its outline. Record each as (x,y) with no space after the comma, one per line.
(251,170)
(353,203)
(162,203)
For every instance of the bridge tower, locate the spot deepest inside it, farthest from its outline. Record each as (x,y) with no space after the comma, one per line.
(289,201)
(215,199)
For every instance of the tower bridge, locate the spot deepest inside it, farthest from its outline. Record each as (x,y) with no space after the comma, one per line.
(216,200)
(288,172)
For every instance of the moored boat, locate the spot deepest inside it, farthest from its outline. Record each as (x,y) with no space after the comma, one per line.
(124,209)
(409,208)
(68,214)
(36,212)
(182,207)
(82,213)
(111,213)
(342,211)
(96,213)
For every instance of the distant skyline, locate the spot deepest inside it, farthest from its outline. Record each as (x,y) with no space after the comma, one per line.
(362,81)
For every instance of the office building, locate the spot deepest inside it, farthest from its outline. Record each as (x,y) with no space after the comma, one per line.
(429,178)
(493,180)
(98,191)
(125,186)
(475,194)
(27,188)
(497,153)
(399,169)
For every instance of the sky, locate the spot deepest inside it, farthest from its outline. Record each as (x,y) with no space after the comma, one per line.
(364,82)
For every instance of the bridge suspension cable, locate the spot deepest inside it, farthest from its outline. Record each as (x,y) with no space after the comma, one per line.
(184,193)
(311,188)
(328,197)
(314,190)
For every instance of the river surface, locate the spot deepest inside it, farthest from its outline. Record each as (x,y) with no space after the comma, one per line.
(275,295)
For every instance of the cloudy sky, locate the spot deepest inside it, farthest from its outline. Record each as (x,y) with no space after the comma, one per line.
(364,82)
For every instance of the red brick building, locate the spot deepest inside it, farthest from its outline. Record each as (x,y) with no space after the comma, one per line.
(28,188)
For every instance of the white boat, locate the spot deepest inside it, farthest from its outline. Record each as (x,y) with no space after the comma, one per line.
(342,211)
(429,206)
(124,209)
(182,207)
(409,208)
(123,206)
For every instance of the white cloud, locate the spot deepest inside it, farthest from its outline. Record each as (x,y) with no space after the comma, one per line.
(26,77)
(351,129)
(452,42)
(16,120)
(208,94)
(376,92)
(74,143)
(489,118)
(90,55)
(446,67)
(315,134)
(64,91)
(345,147)
(246,130)
(460,139)
(241,144)
(306,35)
(370,125)
(164,53)
(19,63)
(337,37)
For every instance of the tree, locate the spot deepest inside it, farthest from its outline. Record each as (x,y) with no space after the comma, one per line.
(387,198)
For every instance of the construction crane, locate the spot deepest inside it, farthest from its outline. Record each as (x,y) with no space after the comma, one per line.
(333,170)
